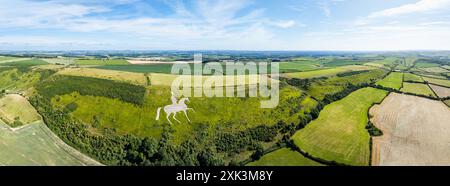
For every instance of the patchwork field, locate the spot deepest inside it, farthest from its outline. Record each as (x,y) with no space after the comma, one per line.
(339,133)
(16,110)
(321,88)
(284,157)
(416,131)
(35,144)
(327,72)
(393,80)
(417,88)
(442,92)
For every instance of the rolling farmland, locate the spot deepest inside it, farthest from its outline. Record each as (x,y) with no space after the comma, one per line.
(35,144)
(16,110)
(284,157)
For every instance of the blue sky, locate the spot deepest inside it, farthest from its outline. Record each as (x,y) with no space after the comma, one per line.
(225,25)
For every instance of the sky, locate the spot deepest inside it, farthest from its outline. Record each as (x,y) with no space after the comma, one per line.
(362,25)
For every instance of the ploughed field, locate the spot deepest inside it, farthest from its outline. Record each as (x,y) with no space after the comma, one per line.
(416,131)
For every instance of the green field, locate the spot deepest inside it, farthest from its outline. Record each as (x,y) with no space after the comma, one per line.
(20,79)
(412,78)
(447,102)
(15,110)
(63,61)
(299,65)
(393,80)
(102,112)
(129,77)
(417,88)
(339,133)
(25,63)
(101,62)
(435,70)
(327,72)
(442,82)
(35,144)
(284,157)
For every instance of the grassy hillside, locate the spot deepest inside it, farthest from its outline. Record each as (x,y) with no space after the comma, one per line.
(412,78)
(36,145)
(393,80)
(417,88)
(15,110)
(339,133)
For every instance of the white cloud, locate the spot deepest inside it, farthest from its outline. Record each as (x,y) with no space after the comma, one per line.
(418,7)
(284,24)
(219,24)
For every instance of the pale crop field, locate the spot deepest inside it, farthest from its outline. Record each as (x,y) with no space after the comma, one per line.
(339,133)
(442,92)
(416,131)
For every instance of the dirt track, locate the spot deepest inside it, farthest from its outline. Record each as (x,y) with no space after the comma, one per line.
(416,131)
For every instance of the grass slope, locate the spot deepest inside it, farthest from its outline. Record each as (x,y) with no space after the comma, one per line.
(35,144)
(326,72)
(284,157)
(393,80)
(101,62)
(339,133)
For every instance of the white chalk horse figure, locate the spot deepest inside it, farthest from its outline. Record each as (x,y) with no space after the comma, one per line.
(174,108)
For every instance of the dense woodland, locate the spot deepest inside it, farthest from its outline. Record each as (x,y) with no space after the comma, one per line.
(93,87)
